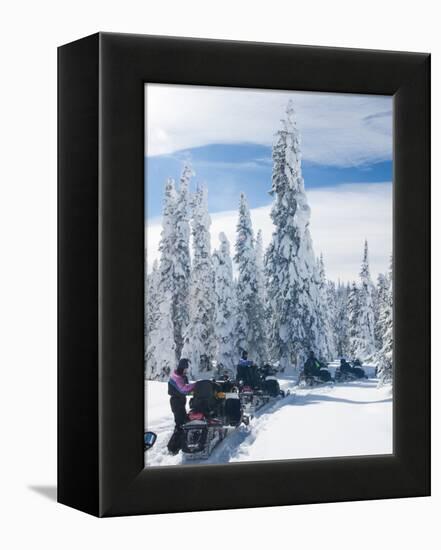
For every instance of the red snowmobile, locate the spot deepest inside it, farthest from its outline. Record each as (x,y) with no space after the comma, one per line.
(215,410)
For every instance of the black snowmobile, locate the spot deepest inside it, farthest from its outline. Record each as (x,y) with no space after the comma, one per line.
(349,373)
(215,409)
(260,388)
(315,377)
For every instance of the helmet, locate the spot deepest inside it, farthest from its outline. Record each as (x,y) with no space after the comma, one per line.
(182,365)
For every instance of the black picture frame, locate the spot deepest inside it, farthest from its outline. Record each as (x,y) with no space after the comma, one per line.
(101,274)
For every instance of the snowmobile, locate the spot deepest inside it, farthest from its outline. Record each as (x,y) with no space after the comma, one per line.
(215,410)
(260,390)
(311,380)
(355,373)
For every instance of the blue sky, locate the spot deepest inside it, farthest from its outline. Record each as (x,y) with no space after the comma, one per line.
(227,135)
(225,168)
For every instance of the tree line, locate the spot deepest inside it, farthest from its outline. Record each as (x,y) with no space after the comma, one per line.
(278,306)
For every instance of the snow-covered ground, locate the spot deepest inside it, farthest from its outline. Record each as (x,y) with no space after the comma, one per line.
(342,420)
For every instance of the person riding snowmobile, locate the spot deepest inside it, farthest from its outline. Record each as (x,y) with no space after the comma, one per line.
(313,367)
(357,369)
(178,389)
(345,367)
(246,370)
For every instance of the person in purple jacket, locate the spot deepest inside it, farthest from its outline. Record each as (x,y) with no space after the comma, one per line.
(178,389)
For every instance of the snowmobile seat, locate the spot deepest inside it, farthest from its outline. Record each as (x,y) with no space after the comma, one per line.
(204,389)
(203,400)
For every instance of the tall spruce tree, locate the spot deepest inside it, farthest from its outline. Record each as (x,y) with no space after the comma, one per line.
(225,307)
(151,293)
(161,357)
(332,304)
(151,306)
(261,298)
(250,333)
(342,320)
(326,344)
(385,322)
(199,342)
(381,296)
(260,275)
(366,348)
(353,311)
(168,238)
(289,261)
(182,261)
(160,354)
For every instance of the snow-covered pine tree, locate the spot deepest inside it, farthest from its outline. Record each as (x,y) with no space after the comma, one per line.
(160,350)
(342,322)
(380,299)
(225,307)
(260,275)
(261,298)
(182,261)
(332,304)
(199,342)
(289,261)
(385,322)
(353,311)
(326,345)
(365,349)
(168,238)
(250,333)
(151,299)
(161,357)
(146,283)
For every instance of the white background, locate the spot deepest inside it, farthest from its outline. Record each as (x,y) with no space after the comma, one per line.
(30,34)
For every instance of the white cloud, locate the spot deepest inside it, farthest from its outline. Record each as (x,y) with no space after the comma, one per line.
(336,129)
(341,218)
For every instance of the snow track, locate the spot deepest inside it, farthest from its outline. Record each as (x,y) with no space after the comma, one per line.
(342,420)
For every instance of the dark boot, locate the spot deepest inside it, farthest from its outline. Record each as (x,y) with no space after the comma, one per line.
(175,443)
